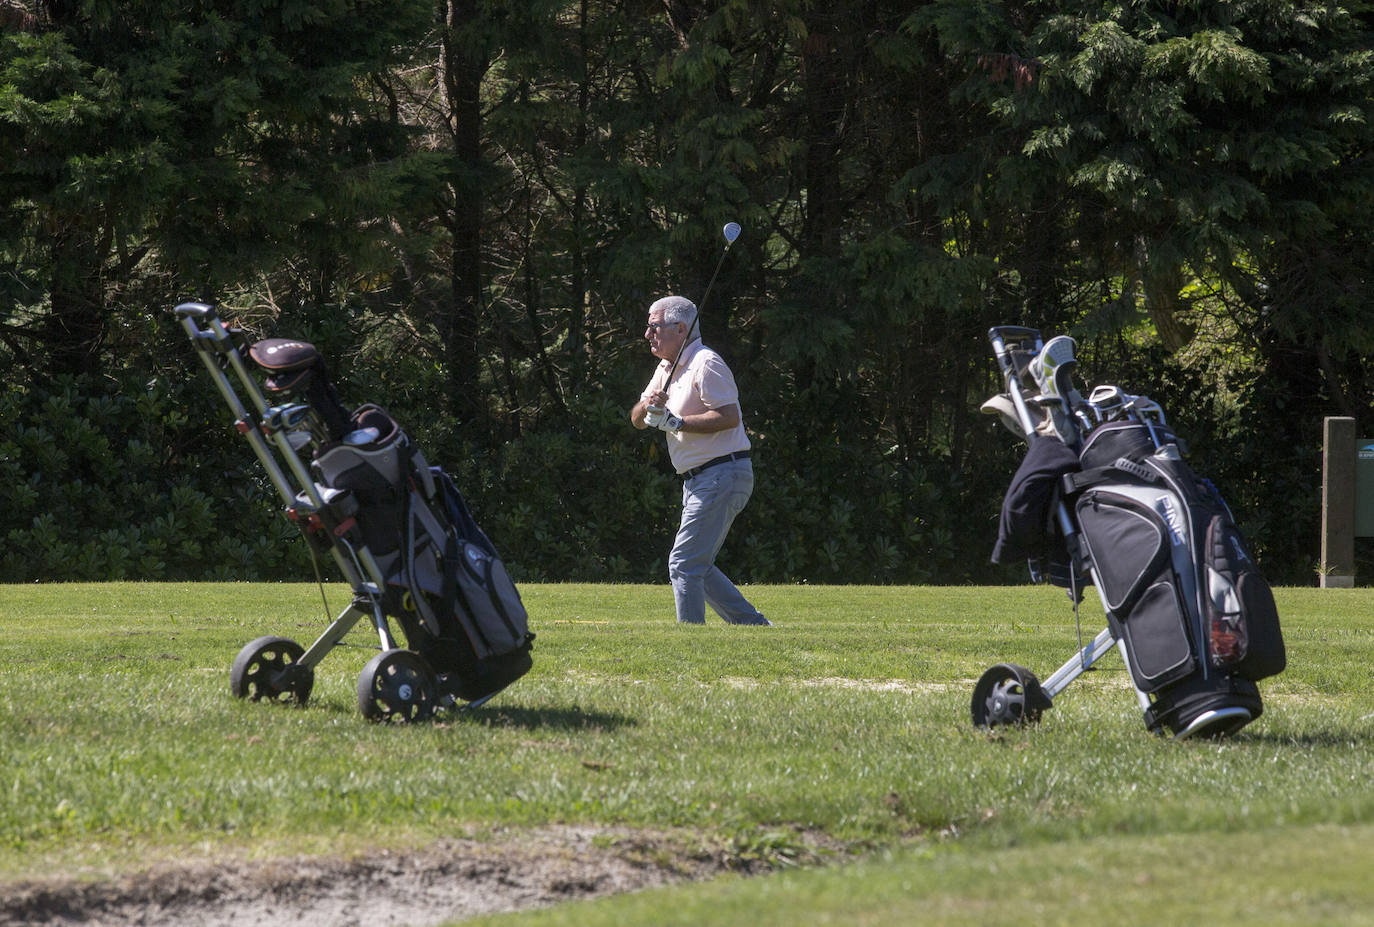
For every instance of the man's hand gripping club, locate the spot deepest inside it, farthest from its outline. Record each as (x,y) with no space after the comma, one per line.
(660,418)
(656,414)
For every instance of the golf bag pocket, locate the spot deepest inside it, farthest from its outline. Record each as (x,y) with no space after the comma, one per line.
(493,617)
(1129,545)
(497,618)
(1156,636)
(1242,619)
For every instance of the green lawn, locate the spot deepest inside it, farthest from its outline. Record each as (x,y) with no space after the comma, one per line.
(845,727)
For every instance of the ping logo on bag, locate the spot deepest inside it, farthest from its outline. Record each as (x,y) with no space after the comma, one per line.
(1173,519)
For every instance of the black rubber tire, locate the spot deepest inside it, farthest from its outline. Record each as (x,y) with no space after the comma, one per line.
(397,686)
(1008,694)
(267,670)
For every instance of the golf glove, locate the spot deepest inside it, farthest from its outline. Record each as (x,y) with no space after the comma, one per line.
(660,418)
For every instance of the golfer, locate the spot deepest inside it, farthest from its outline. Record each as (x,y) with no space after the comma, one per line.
(693,400)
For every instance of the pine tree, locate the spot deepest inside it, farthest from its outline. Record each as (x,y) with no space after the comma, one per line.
(210,142)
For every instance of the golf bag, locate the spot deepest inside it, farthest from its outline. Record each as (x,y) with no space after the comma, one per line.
(397,528)
(1105,498)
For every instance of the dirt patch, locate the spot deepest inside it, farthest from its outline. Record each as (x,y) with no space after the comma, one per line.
(443,882)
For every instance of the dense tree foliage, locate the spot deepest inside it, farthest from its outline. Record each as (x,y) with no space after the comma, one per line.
(468,205)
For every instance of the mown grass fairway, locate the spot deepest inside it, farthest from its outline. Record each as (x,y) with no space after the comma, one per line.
(842,732)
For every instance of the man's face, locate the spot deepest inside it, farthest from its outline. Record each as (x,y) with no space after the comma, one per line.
(665,338)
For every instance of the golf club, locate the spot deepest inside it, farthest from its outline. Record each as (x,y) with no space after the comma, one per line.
(731,232)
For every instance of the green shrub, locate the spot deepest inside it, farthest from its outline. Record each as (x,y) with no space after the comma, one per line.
(134,484)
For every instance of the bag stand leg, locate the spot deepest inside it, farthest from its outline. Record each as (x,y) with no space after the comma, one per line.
(1079,663)
(1082,661)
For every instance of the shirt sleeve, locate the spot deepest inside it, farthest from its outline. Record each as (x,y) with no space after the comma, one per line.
(716,384)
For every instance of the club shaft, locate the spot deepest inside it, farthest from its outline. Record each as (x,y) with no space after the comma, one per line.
(691,328)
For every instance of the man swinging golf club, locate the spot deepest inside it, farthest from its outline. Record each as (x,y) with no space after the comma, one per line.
(693,400)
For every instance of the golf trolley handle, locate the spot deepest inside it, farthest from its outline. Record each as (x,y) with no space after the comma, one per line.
(999,337)
(1013,333)
(215,345)
(264,427)
(200,311)
(212,342)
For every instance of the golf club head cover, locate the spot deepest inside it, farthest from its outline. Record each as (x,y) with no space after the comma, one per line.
(1002,406)
(1052,368)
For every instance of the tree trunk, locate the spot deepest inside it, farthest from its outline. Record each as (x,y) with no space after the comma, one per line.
(824,83)
(462,70)
(577,315)
(1161,283)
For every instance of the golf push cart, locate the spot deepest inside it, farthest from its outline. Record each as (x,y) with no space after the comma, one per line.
(398,530)
(1103,497)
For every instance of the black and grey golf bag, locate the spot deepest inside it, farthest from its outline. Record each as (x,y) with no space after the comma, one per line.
(397,528)
(1105,498)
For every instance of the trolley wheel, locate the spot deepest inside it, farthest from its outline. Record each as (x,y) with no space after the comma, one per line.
(397,685)
(1008,694)
(267,668)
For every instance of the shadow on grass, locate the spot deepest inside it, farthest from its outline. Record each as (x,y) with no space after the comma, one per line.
(553,719)
(556,719)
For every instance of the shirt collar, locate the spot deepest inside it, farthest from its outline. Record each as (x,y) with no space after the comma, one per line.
(688,350)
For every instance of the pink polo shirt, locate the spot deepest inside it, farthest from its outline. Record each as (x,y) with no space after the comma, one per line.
(702,381)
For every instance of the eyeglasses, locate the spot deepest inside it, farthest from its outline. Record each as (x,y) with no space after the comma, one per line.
(655,326)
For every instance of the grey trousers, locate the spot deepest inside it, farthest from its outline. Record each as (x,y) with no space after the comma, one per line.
(710,502)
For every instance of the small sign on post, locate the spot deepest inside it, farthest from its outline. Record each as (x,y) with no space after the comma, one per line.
(1364,487)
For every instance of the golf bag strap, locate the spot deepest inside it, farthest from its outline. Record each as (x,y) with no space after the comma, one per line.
(453,561)
(415,510)
(419,468)
(1072,483)
(453,557)
(426,517)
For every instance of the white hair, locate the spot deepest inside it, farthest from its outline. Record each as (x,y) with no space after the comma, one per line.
(675,309)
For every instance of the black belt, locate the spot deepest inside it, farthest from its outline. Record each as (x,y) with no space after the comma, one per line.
(737,455)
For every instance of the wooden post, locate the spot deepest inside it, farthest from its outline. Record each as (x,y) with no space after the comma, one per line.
(1337,570)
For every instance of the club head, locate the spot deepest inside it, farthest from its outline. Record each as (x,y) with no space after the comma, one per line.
(1107,402)
(731,232)
(1146,408)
